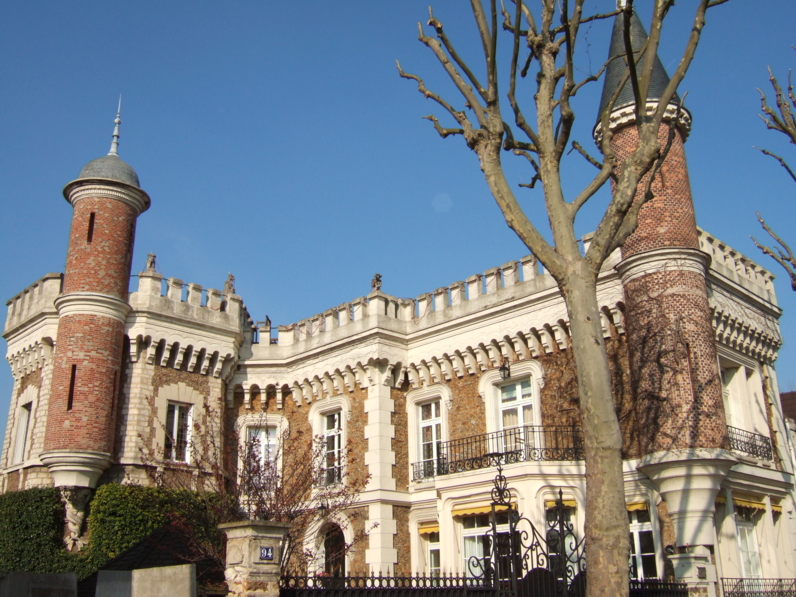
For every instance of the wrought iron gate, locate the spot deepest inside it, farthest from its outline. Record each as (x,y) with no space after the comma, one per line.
(520,560)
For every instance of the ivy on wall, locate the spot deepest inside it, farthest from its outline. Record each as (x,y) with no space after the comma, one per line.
(32,526)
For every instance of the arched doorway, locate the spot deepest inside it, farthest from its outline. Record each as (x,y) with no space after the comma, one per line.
(334,548)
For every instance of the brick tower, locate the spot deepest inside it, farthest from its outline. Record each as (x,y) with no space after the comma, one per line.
(92,309)
(680,422)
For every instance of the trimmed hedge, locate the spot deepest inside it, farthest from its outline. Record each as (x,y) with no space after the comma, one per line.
(32,526)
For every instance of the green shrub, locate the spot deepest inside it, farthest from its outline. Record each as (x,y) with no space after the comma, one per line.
(120,516)
(31,525)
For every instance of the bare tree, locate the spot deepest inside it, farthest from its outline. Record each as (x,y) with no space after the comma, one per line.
(286,477)
(780,118)
(543,42)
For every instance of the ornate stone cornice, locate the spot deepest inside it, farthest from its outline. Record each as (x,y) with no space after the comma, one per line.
(663,260)
(92,303)
(626,115)
(75,468)
(107,189)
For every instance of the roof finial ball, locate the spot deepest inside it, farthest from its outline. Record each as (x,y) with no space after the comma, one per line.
(115,141)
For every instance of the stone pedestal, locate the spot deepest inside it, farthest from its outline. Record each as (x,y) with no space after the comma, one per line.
(254,550)
(696,570)
(688,481)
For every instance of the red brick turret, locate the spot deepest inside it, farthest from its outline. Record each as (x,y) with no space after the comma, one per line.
(669,329)
(92,309)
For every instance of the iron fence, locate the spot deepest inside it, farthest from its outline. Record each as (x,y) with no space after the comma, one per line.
(518,444)
(750,443)
(759,587)
(652,587)
(384,586)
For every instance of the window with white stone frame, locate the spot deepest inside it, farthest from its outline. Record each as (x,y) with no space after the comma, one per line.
(745,522)
(429,421)
(517,405)
(476,540)
(263,443)
(433,560)
(178,425)
(643,557)
(23,422)
(333,448)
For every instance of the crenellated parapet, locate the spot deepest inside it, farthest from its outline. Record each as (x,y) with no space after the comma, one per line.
(738,268)
(32,325)
(185,327)
(513,311)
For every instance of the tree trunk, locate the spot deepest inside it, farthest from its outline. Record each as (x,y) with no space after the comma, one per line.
(607,547)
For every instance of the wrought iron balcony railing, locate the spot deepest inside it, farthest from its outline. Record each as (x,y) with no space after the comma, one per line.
(759,587)
(750,443)
(519,444)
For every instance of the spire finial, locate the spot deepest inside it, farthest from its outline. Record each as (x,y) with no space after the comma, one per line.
(115,142)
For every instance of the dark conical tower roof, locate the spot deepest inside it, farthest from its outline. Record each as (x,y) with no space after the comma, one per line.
(616,69)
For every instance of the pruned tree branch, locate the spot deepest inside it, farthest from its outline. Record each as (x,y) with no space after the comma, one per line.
(782,162)
(784,257)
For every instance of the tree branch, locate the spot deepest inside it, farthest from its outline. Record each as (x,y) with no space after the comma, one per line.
(786,259)
(459,116)
(463,87)
(782,162)
(437,25)
(443,132)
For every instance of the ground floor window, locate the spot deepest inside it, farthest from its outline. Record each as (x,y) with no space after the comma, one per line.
(477,541)
(177,431)
(433,554)
(643,560)
(747,542)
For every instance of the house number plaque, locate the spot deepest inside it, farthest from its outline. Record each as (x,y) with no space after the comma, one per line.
(266,553)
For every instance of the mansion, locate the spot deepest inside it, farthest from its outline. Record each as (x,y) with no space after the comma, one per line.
(432,393)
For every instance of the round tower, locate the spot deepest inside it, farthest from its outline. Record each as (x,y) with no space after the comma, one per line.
(680,428)
(107,199)
(670,333)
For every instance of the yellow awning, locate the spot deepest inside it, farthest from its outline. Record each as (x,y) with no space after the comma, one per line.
(743,500)
(632,506)
(567,503)
(476,509)
(720,499)
(426,528)
(776,508)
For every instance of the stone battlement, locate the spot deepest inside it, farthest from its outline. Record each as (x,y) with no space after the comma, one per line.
(737,267)
(210,306)
(32,301)
(513,279)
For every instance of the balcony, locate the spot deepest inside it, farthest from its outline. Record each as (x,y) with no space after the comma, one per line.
(530,443)
(749,443)
(759,587)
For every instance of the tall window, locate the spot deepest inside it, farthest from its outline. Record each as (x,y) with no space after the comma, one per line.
(747,542)
(430,436)
(263,441)
(333,456)
(22,432)
(516,412)
(476,540)
(643,561)
(177,427)
(433,566)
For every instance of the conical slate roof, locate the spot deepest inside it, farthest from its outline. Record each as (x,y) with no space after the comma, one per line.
(616,69)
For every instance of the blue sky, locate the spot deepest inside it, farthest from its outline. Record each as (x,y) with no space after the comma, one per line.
(278,143)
